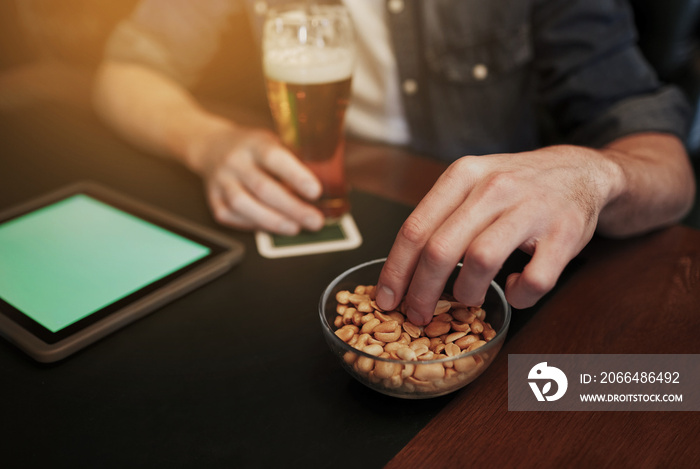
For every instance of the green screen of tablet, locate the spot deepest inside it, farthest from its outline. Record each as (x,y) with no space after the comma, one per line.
(67,260)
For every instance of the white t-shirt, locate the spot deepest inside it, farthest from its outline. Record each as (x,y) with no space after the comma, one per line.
(376,110)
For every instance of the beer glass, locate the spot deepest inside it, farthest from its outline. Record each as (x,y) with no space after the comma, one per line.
(308,57)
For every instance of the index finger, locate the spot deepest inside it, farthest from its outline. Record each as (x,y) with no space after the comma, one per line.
(445,196)
(282,163)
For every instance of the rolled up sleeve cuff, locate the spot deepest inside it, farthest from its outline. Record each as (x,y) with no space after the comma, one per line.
(665,111)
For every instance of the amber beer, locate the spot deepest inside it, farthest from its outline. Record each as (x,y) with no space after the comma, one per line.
(308,89)
(309,119)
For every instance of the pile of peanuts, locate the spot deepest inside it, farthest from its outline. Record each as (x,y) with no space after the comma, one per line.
(454,329)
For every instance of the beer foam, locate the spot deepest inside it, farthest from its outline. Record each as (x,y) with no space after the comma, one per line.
(306,65)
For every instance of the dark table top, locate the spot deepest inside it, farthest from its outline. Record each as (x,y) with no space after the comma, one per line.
(237,374)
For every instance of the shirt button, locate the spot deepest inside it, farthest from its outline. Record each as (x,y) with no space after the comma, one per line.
(395,6)
(410,86)
(480,72)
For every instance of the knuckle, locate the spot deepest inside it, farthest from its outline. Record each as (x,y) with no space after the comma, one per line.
(438,251)
(414,231)
(460,166)
(220,214)
(267,157)
(469,167)
(538,283)
(237,201)
(482,257)
(500,181)
(459,173)
(259,186)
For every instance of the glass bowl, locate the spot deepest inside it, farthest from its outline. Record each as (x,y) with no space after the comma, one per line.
(412,377)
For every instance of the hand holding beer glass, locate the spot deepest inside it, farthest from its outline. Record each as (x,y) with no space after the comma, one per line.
(308,58)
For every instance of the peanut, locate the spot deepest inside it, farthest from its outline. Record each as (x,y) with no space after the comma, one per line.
(382,316)
(442,306)
(444,317)
(393,383)
(386,369)
(350,357)
(420,349)
(393,347)
(413,330)
(476,345)
(455,329)
(452,350)
(388,336)
(398,317)
(388,326)
(373,349)
(348,314)
(463,315)
(369,326)
(477,326)
(364,364)
(407,353)
(454,336)
(420,341)
(466,341)
(345,333)
(356,298)
(371,291)
(464,365)
(429,371)
(460,326)
(436,328)
(362,341)
(374,340)
(488,334)
(343,297)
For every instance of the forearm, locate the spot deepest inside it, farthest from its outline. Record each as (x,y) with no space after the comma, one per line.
(154,113)
(655,184)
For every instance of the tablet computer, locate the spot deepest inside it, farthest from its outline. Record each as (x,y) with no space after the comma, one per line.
(84,261)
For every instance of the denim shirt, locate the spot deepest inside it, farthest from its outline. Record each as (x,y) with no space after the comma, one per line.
(477,76)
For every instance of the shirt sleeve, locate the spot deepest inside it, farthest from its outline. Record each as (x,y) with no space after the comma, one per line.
(594,80)
(175,37)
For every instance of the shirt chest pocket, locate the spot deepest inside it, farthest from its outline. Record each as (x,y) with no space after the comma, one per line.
(476,41)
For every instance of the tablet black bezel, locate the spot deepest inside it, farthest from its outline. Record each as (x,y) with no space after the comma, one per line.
(131,208)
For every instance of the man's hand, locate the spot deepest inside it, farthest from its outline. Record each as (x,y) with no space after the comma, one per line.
(253,182)
(544,202)
(547,202)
